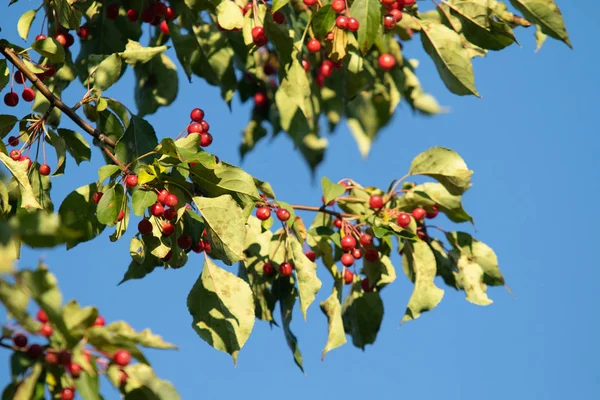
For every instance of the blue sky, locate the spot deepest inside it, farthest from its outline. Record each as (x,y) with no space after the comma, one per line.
(533,144)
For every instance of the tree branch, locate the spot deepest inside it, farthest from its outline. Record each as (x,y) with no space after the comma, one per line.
(323,210)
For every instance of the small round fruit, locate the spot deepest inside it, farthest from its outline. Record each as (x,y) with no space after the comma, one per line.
(197,115)
(332,202)
(112,11)
(121,216)
(145,227)
(83,32)
(310,3)
(132,15)
(313,46)
(348,243)
(99,321)
(327,68)
(206,139)
(170,214)
(170,13)
(357,254)
(122,358)
(386,62)
(131,180)
(338,5)
(311,255)
(422,235)
(397,14)
(159,9)
(75,370)
(306,65)
(46,330)
(337,223)
(371,255)
(348,276)
(433,213)
(168,229)
(259,37)
(13,141)
(366,240)
(260,100)
(341,22)
(157,209)
(42,316)
(40,37)
(388,2)
(205,125)
(194,127)
(44,169)
(184,242)
(171,200)
(263,213)
(376,202)
(64,358)
(11,99)
(70,39)
(353,24)
(34,351)
(199,247)
(283,215)
(268,268)
(164,27)
(20,340)
(61,39)
(389,21)
(347,259)
(285,269)
(419,213)
(409,3)
(162,196)
(50,71)
(365,285)
(15,155)
(403,219)
(19,77)
(278,17)
(67,394)
(51,358)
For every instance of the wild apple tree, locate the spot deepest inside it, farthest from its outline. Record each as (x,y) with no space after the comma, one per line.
(300,63)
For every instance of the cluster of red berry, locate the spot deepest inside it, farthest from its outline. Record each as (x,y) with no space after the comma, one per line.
(35,134)
(63,358)
(154,13)
(11,99)
(200,126)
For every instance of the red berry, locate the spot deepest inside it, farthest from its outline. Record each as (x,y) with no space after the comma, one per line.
(97,196)
(433,213)
(83,32)
(337,223)
(70,39)
(348,243)
(197,115)
(162,196)
(64,358)
(131,180)
(195,127)
(145,227)
(170,14)
(283,215)
(348,276)
(403,219)
(132,15)
(122,358)
(40,37)
(171,200)
(366,240)
(419,213)
(341,22)
(285,269)
(388,2)
(409,3)
(170,214)
(353,24)
(263,213)
(347,259)
(397,14)
(11,99)
(46,330)
(15,155)
(34,351)
(306,65)
(159,9)
(100,319)
(19,77)
(332,202)
(44,169)
(121,216)
(310,3)
(259,37)
(75,370)
(13,141)
(269,69)
(372,255)
(357,254)
(260,100)
(20,340)
(112,11)
(247,7)
(313,45)
(338,5)
(61,39)
(278,17)
(184,242)
(207,246)
(376,202)
(67,394)
(311,255)
(147,15)
(365,285)
(268,268)
(386,62)
(50,71)
(389,21)
(164,27)
(168,229)
(51,358)
(205,126)
(206,139)
(199,248)
(123,377)
(422,235)
(42,316)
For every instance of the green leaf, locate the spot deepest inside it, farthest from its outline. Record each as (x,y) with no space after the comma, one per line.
(434,194)
(26,389)
(43,229)
(77,146)
(225,227)
(61,151)
(381,272)
(145,385)
(222,308)
(67,16)
(141,200)
(25,22)
(78,319)
(323,21)
(135,53)
(106,171)
(306,272)
(546,14)
(138,270)
(4,79)
(139,139)
(109,206)
(50,49)
(251,135)
(19,363)
(540,37)
(88,386)
(15,300)
(156,84)
(7,122)
(362,314)
(278,4)
(331,191)
(287,293)
(107,72)
(426,295)
(333,311)
(444,165)
(229,16)
(19,171)
(446,49)
(368,14)
(122,332)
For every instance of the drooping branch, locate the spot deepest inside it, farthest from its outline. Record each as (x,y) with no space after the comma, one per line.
(323,210)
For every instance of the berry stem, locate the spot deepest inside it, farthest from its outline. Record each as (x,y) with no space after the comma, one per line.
(321,209)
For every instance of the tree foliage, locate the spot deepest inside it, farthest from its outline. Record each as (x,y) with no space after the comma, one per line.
(301,63)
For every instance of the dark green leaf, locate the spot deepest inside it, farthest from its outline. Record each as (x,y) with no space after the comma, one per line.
(109,206)
(331,191)
(77,146)
(136,53)
(323,21)
(50,49)
(141,200)
(139,139)
(107,72)
(368,14)
(333,311)
(362,313)
(444,165)
(547,14)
